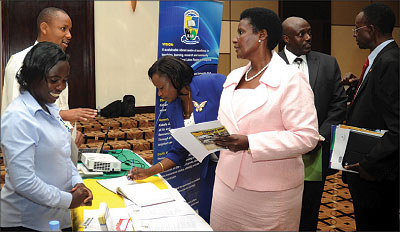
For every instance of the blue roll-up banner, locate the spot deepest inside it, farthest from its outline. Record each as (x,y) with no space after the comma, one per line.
(191,31)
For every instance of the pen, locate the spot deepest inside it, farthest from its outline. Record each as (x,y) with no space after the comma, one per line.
(133,162)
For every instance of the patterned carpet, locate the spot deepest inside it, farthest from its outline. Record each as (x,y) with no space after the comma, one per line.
(336,210)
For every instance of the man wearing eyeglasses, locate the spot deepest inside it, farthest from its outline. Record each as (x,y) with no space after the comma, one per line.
(375,105)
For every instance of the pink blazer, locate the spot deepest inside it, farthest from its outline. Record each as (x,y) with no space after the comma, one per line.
(280,121)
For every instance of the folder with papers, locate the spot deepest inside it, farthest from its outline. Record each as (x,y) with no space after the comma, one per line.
(350,144)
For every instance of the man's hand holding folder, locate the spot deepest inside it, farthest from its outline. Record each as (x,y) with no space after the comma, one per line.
(363,174)
(349,146)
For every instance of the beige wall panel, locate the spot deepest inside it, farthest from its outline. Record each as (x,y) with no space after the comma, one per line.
(125,47)
(226,10)
(238,6)
(235,62)
(396,35)
(225,43)
(344,12)
(395,7)
(346,51)
(224,64)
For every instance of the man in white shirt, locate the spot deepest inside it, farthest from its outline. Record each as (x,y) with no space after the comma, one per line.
(330,102)
(53,25)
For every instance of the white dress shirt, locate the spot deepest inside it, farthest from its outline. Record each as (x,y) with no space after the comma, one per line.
(372,56)
(39,170)
(303,66)
(11,86)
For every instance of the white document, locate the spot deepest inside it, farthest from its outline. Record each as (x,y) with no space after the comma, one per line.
(113,183)
(178,223)
(142,194)
(168,209)
(340,143)
(342,134)
(198,139)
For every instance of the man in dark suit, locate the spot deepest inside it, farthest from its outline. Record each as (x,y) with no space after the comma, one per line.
(375,190)
(330,101)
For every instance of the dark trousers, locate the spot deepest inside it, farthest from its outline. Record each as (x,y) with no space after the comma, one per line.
(376,204)
(312,195)
(206,192)
(376,219)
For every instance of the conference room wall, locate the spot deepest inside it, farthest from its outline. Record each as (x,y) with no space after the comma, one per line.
(343,45)
(125,48)
(126,44)
(230,20)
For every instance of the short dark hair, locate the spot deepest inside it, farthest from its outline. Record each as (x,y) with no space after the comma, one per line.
(179,72)
(262,18)
(46,15)
(381,16)
(37,63)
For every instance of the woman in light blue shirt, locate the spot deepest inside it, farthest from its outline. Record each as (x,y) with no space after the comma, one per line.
(41,182)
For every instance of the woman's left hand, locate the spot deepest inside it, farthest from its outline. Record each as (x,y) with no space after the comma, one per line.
(88,200)
(233,142)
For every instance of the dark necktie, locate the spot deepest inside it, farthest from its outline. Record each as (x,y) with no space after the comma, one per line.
(361,78)
(298,61)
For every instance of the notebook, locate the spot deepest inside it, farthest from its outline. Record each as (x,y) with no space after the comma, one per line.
(142,194)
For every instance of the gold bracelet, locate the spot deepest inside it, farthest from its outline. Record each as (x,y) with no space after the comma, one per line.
(162,166)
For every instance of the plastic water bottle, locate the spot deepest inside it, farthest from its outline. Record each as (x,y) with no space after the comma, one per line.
(54,225)
(98,111)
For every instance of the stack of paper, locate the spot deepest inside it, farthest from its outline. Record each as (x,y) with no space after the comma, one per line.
(150,208)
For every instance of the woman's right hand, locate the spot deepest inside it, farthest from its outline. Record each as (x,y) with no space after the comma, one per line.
(139,173)
(233,142)
(78,197)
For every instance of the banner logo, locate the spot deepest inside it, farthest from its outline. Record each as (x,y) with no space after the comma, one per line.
(191,27)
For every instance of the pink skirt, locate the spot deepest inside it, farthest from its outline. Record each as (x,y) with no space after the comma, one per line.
(243,210)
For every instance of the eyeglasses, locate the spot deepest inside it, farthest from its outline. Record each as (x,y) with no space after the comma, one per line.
(355,30)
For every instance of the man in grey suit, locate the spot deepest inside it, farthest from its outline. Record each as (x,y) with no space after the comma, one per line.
(330,101)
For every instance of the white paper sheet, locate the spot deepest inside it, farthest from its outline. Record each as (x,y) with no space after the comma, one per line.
(199,150)
(113,183)
(339,148)
(168,209)
(145,194)
(142,194)
(179,223)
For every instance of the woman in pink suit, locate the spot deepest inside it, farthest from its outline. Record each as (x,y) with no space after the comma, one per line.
(268,108)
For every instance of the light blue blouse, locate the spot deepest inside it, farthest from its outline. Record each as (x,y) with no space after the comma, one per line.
(40,173)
